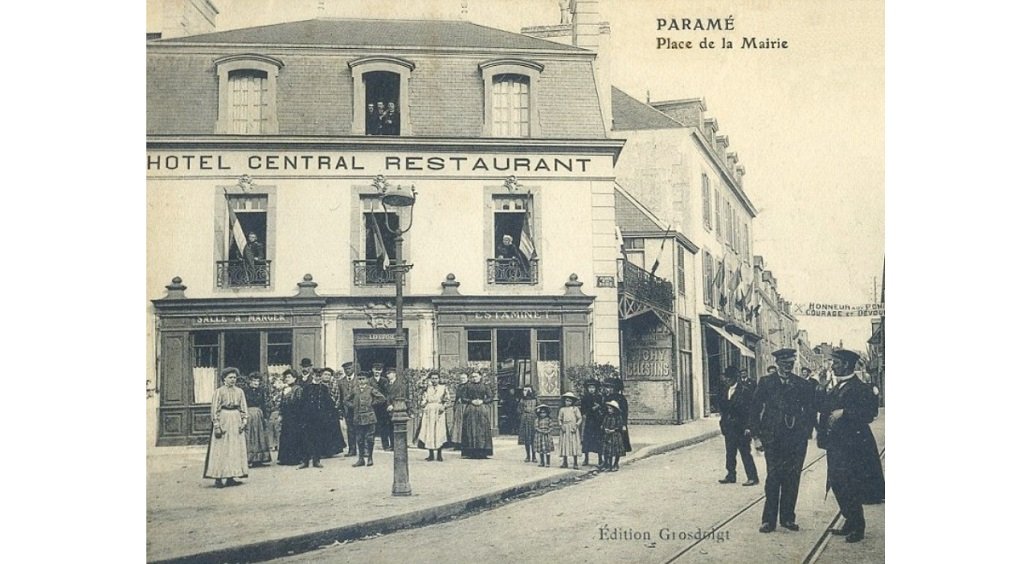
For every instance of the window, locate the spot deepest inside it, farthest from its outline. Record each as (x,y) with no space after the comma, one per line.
(709,278)
(380,100)
(680,269)
(379,247)
(728,225)
(634,249)
(279,351)
(746,243)
(248,94)
(245,243)
(515,250)
(549,344)
(510,98)
(511,106)
(705,190)
(718,213)
(205,364)
(479,341)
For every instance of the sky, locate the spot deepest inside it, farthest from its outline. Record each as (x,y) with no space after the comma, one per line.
(807,121)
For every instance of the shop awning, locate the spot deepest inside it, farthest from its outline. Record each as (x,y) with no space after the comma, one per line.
(736,341)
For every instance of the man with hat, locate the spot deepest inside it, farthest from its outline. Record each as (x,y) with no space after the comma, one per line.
(782,416)
(364,398)
(305,371)
(735,410)
(377,380)
(854,468)
(346,383)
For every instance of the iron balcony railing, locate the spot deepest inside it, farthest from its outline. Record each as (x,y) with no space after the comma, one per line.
(511,271)
(372,273)
(241,274)
(644,286)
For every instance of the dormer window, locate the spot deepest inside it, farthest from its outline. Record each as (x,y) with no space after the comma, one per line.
(510,98)
(247,94)
(381,96)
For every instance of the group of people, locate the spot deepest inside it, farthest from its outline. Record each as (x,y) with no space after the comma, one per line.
(783,411)
(383,119)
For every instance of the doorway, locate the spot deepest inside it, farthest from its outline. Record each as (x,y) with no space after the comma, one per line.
(514,369)
(242,350)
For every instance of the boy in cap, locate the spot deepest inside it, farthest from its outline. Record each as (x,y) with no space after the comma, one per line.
(782,416)
(364,399)
(854,468)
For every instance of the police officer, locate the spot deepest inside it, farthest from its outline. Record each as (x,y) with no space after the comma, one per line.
(782,416)
(854,468)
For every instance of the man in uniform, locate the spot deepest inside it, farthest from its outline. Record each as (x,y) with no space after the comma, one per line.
(782,416)
(347,383)
(735,411)
(364,399)
(854,468)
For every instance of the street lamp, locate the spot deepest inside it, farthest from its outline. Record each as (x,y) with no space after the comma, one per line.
(398,197)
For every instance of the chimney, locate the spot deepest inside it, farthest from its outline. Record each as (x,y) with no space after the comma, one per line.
(740,172)
(589,32)
(730,160)
(721,144)
(689,112)
(710,130)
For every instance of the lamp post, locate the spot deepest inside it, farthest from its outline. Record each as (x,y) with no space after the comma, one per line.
(398,197)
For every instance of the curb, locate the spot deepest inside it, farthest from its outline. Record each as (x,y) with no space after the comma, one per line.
(295,544)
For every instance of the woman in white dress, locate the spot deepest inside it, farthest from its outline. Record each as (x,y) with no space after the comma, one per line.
(226,455)
(433,428)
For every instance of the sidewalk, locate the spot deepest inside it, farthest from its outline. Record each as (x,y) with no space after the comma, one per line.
(280,510)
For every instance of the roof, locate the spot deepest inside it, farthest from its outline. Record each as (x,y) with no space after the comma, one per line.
(631,217)
(377,33)
(628,113)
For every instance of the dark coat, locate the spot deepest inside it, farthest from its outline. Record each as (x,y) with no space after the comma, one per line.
(736,411)
(853,459)
(319,416)
(781,413)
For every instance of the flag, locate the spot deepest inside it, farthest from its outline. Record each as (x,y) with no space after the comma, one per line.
(378,243)
(719,275)
(657,260)
(621,241)
(737,279)
(237,233)
(526,240)
(742,303)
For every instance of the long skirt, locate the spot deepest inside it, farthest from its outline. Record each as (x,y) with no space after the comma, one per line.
(331,441)
(226,456)
(476,432)
(458,414)
(274,430)
(527,426)
(542,443)
(613,445)
(592,434)
(569,441)
(256,442)
(290,451)
(433,433)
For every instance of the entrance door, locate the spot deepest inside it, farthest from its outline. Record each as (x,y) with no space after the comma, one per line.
(514,368)
(242,350)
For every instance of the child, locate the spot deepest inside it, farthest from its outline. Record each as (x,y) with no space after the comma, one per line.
(613,448)
(569,420)
(528,422)
(542,442)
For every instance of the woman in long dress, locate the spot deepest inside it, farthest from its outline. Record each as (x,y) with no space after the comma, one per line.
(476,421)
(528,422)
(569,422)
(592,408)
(256,441)
(433,433)
(459,412)
(290,449)
(226,454)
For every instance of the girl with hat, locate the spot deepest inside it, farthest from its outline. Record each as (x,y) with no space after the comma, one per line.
(613,425)
(569,420)
(226,455)
(528,422)
(592,408)
(613,391)
(542,436)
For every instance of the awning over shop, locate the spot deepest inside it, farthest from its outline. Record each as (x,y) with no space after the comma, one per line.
(736,341)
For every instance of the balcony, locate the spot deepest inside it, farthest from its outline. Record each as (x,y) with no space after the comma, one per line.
(511,271)
(371,273)
(240,274)
(640,291)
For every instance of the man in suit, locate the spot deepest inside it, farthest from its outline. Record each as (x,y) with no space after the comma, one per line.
(854,468)
(379,381)
(395,389)
(347,383)
(364,399)
(782,416)
(735,409)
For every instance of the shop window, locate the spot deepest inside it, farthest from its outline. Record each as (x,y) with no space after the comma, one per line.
(549,362)
(515,248)
(479,341)
(205,365)
(248,94)
(510,97)
(245,243)
(381,95)
(705,190)
(279,351)
(634,249)
(379,247)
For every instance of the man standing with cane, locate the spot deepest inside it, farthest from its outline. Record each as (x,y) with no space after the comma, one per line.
(782,416)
